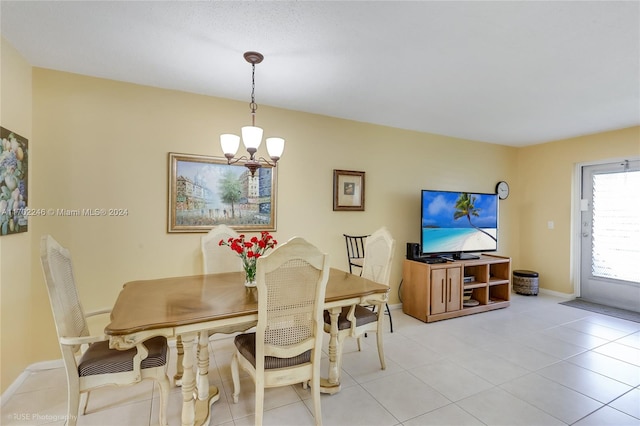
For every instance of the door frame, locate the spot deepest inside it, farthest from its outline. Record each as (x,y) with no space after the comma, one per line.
(576,217)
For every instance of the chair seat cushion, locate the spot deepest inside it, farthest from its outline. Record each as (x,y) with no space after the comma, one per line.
(99,359)
(363,316)
(246,345)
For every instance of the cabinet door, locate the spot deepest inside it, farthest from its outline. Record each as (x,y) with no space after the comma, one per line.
(454,284)
(446,292)
(438,291)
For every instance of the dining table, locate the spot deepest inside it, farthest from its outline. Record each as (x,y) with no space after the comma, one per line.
(192,307)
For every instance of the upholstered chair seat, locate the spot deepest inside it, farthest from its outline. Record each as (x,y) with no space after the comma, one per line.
(363,316)
(246,345)
(99,359)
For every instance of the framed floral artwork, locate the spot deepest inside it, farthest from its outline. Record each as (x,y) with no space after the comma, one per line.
(14,173)
(206,191)
(348,190)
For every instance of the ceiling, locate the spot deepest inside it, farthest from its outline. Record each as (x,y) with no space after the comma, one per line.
(511,73)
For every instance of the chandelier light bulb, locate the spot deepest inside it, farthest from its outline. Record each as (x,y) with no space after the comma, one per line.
(251,137)
(275,147)
(230,144)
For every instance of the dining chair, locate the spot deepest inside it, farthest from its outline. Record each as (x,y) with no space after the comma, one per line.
(286,346)
(355,257)
(355,321)
(215,259)
(355,251)
(97,365)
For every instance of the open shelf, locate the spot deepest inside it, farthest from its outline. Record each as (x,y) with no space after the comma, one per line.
(474,284)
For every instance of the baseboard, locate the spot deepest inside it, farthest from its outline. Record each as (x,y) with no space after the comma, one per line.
(38,366)
(13,387)
(566,296)
(396,306)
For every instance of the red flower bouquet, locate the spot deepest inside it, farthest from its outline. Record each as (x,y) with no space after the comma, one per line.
(249,251)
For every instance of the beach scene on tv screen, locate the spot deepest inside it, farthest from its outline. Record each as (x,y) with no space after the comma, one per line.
(459,221)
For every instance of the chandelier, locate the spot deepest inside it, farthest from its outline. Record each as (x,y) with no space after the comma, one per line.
(251,135)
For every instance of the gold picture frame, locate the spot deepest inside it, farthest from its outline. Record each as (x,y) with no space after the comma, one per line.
(348,190)
(206,191)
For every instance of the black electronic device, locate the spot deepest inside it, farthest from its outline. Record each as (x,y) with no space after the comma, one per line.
(413,251)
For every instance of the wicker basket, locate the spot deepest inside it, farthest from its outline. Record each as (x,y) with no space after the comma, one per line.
(525,282)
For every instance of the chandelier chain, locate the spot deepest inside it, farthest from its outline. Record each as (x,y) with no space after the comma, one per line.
(253,105)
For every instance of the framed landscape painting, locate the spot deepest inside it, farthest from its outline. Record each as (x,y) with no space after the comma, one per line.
(206,191)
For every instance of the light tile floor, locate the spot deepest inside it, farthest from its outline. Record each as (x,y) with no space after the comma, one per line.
(534,363)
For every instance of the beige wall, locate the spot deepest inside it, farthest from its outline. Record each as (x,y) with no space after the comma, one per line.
(546,180)
(104,144)
(16,294)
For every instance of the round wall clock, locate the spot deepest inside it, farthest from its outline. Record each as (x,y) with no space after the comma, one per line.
(502,189)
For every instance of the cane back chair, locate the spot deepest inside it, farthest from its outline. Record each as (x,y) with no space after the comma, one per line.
(286,347)
(355,321)
(98,365)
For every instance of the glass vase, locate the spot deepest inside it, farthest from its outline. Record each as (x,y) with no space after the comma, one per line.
(250,277)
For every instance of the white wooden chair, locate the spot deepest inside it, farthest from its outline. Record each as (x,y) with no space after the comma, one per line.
(215,259)
(355,258)
(355,321)
(98,365)
(286,347)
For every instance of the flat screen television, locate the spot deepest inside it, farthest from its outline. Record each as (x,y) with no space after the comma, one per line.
(455,224)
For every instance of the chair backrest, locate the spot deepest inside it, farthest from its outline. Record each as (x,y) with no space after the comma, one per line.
(355,249)
(291,284)
(61,285)
(379,249)
(217,259)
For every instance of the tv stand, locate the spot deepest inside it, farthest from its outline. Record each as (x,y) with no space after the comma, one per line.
(434,292)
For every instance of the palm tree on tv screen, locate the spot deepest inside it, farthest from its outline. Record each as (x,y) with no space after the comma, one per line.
(465,207)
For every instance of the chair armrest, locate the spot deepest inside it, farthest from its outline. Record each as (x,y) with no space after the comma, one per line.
(82,340)
(98,312)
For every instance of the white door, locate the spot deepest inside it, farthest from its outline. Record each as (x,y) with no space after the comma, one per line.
(610,229)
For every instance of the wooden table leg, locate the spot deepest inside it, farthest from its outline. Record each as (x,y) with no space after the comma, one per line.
(332,384)
(177,378)
(197,395)
(203,365)
(188,381)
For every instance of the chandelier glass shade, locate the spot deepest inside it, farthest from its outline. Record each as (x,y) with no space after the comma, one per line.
(251,135)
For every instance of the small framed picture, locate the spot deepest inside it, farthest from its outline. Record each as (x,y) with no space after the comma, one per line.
(348,190)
